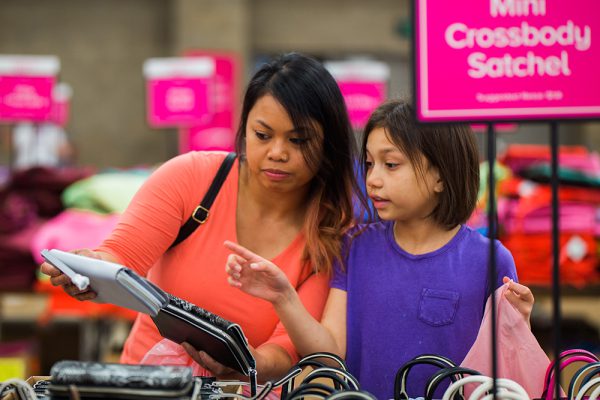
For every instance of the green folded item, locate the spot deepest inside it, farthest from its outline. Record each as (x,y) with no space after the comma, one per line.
(104,193)
(542,172)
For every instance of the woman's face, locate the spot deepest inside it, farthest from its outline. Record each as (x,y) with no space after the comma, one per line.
(274,148)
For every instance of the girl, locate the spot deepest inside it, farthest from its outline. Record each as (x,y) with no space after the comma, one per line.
(289,199)
(413,283)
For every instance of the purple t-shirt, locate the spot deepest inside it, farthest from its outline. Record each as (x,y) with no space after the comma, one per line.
(402,305)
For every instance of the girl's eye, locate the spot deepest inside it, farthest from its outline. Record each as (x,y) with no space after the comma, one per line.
(298,141)
(369,164)
(261,136)
(391,165)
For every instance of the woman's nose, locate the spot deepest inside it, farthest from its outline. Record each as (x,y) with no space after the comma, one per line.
(278,151)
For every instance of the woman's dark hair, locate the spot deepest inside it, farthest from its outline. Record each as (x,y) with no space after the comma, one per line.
(450,148)
(313,100)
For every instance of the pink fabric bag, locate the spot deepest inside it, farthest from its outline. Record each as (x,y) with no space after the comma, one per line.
(167,352)
(520,357)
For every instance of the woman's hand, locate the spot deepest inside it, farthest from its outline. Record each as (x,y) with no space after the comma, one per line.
(520,297)
(256,275)
(57,278)
(211,365)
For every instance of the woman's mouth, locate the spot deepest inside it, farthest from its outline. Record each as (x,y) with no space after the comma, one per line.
(276,174)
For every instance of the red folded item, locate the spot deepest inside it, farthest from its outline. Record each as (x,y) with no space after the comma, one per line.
(519,156)
(518,187)
(578,260)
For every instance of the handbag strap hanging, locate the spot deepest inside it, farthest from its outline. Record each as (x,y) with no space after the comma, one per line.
(200,214)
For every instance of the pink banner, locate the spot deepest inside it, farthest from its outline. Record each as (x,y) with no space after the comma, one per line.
(363,83)
(25,98)
(217,131)
(361,99)
(507,60)
(176,102)
(177,91)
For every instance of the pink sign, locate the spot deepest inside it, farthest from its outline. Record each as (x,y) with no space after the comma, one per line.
(25,98)
(361,99)
(507,60)
(217,131)
(178,91)
(363,84)
(26,84)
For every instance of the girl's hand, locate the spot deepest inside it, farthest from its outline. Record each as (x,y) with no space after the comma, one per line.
(255,275)
(214,367)
(57,278)
(520,297)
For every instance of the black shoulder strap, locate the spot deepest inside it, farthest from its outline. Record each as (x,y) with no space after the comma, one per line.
(200,214)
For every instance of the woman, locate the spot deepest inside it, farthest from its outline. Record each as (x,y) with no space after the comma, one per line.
(288,198)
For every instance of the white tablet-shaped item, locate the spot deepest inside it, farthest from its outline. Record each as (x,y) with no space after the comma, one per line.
(113,283)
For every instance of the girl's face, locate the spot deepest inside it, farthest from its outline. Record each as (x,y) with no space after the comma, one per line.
(274,148)
(393,184)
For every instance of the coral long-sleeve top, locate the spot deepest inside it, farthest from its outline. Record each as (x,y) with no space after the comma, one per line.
(195,269)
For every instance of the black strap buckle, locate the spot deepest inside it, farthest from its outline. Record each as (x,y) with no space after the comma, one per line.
(200,220)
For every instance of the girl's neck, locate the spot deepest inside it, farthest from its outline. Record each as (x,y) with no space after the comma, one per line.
(267,204)
(421,237)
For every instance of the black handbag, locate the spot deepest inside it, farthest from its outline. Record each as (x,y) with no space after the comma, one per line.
(94,380)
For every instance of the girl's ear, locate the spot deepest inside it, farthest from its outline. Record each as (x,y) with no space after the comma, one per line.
(439,183)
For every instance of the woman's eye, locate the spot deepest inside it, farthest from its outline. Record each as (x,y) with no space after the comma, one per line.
(391,165)
(298,140)
(261,136)
(369,164)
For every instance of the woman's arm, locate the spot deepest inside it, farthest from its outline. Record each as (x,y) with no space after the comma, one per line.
(261,278)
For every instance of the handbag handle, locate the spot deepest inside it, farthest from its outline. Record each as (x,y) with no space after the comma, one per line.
(309,360)
(347,377)
(330,356)
(586,387)
(288,387)
(402,374)
(338,383)
(550,380)
(566,354)
(452,372)
(311,389)
(511,387)
(352,395)
(585,371)
(459,384)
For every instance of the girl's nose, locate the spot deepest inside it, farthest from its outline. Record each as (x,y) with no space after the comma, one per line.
(373,178)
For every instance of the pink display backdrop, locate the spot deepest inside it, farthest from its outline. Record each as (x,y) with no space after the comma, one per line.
(217,130)
(26,98)
(507,60)
(361,99)
(177,101)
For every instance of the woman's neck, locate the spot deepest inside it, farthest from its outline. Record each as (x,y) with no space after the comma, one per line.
(421,237)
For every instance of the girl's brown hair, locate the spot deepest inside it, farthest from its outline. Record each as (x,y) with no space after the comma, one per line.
(313,99)
(451,148)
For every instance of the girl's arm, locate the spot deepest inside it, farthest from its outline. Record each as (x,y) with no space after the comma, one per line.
(261,278)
